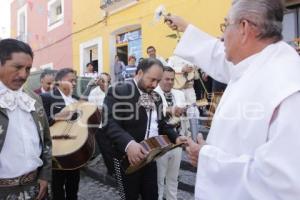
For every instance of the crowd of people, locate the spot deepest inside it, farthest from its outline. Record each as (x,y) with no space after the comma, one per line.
(251,149)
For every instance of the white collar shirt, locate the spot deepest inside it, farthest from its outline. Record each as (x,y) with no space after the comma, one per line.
(97,97)
(68,99)
(22,149)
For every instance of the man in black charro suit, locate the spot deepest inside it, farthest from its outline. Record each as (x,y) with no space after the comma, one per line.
(133,112)
(65,183)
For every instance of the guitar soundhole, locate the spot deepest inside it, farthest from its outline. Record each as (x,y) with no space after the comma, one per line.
(75,116)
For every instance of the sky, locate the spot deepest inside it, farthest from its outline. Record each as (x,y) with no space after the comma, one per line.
(5,19)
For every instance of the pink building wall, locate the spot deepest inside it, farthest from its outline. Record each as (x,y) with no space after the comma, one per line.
(53,46)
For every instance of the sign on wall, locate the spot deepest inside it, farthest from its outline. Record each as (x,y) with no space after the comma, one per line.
(135,44)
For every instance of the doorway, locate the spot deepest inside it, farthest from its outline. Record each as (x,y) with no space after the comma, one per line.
(122,52)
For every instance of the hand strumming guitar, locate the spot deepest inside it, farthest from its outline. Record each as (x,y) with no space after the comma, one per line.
(136,153)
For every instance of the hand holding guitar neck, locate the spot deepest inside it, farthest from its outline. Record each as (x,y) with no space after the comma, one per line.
(182,140)
(175,111)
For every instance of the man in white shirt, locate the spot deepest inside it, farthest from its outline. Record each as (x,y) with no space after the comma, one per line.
(252,149)
(168,165)
(151,52)
(185,69)
(25,144)
(97,94)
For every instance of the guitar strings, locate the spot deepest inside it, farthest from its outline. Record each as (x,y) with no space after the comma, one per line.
(68,127)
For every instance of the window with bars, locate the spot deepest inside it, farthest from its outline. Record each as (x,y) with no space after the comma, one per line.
(55,13)
(22,24)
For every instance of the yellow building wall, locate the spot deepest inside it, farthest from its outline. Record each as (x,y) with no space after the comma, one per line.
(89,23)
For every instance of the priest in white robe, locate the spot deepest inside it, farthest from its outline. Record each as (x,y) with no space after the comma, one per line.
(252,150)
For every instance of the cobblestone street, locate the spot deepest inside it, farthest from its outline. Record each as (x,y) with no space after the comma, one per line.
(91,189)
(94,184)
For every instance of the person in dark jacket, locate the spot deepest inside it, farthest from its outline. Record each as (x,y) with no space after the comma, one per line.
(133,112)
(65,183)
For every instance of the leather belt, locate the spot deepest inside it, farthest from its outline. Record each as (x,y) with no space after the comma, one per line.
(18,181)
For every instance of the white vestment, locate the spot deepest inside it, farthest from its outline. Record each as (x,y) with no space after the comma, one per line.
(253,144)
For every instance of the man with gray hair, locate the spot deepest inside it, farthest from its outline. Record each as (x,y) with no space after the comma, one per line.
(252,150)
(46,80)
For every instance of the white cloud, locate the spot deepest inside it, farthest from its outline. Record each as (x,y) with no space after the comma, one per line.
(5,18)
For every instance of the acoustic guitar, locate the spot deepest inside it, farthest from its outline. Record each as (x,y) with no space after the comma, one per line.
(156,146)
(175,121)
(181,79)
(73,142)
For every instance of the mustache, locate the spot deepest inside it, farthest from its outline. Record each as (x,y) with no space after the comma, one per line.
(20,80)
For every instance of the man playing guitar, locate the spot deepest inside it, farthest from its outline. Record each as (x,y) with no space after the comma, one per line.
(184,77)
(64,182)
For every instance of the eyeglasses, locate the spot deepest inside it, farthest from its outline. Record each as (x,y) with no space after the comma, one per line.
(223,26)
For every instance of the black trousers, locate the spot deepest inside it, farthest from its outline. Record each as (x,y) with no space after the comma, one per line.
(65,184)
(106,150)
(142,182)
